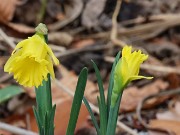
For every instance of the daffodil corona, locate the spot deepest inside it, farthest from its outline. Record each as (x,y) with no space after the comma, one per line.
(127,70)
(31,61)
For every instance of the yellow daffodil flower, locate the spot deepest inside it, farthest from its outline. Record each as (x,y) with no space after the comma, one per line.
(127,70)
(30,62)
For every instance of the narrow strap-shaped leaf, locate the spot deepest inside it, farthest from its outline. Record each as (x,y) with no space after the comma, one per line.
(38,120)
(113,115)
(78,96)
(102,131)
(111,82)
(103,111)
(46,124)
(92,115)
(51,120)
(48,93)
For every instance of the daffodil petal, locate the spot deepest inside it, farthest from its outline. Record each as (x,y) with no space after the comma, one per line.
(56,61)
(139,77)
(9,63)
(20,45)
(50,67)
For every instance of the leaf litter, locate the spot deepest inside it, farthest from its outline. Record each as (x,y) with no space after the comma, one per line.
(82,29)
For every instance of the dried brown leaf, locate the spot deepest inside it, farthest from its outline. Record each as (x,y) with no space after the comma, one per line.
(7,9)
(167,125)
(135,95)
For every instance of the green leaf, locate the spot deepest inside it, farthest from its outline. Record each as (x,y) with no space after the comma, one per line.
(38,121)
(9,92)
(102,105)
(113,115)
(51,121)
(78,96)
(92,116)
(111,82)
(101,116)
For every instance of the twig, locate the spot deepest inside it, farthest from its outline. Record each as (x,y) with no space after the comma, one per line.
(86,49)
(7,39)
(57,48)
(5,77)
(76,13)
(140,105)
(164,69)
(114,31)
(160,24)
(15,130)
(94,108)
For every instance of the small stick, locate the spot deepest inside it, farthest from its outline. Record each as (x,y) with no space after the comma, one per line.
(114,31)
(7,39)
(79,50)
(15,130)
(5,77)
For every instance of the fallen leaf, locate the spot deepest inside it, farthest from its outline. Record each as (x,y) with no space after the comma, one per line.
(167,125)
(174,80)
(133,95)
(7,9)
(3,132)
(62,117)
(91,13)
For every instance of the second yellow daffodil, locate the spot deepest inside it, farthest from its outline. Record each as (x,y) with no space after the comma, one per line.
(127,70)
(30,61)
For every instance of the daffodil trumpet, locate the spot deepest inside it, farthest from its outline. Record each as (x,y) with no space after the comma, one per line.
(31,61)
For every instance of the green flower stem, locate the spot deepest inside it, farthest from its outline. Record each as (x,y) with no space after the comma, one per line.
(45,111)
(113,116)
